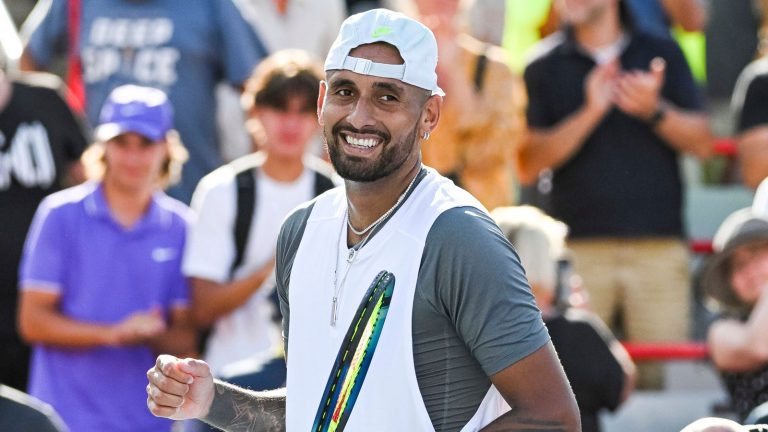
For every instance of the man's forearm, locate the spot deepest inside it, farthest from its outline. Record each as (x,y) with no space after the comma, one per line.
(513,421)
(753,155)
(687,132)
(238,410)
(552,147)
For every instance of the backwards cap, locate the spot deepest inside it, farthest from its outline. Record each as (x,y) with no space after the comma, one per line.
(414,41)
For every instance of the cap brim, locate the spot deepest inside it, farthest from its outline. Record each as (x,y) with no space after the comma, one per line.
(108,131)
(715,280)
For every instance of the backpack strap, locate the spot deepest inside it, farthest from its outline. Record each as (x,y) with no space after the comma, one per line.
(480,66)
(245,182)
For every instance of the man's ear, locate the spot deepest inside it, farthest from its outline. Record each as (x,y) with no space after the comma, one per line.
(431,113)
(321,101)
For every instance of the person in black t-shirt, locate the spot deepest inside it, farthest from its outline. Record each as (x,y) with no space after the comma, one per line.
(610,111)
(40,146)
(598,367)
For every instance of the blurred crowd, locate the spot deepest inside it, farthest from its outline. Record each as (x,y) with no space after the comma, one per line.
(142,189)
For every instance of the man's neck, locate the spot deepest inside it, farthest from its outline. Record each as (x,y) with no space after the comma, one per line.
(367,201)
(600,32)
(282,169)
(127,206)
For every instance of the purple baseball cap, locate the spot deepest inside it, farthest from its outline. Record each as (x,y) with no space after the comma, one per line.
(131,108)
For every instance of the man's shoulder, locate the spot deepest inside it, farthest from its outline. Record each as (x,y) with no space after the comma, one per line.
(179,212)
(646,45)
(69,198)
(649,40)
(296,221)
(224,176)
(321,167)
(463,226)
(40,82)
(757,71)
(547,49)
(476,47)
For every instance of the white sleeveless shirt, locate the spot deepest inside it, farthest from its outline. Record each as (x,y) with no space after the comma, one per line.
(389,398)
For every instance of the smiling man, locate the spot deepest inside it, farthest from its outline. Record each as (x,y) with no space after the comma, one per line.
(404,306)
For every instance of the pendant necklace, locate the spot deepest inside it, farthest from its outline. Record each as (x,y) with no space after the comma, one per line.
(338,285)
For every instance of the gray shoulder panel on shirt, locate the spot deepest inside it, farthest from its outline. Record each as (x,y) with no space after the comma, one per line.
(288,242)
(473,313)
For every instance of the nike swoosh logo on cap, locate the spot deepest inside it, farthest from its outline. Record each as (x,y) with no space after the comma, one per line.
(381,31)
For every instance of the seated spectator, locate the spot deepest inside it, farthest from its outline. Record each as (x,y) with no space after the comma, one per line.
(102,291)
(20,412)
(735,277)
(597,366)
(240,207)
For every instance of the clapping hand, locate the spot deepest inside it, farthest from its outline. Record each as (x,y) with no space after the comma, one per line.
(139,327)
(637,93)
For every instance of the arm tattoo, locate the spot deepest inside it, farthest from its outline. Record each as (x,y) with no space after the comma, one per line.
(238,410)
(508,422)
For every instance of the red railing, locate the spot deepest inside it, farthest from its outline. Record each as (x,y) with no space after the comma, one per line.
(701,246)
(725,146)
(640,351)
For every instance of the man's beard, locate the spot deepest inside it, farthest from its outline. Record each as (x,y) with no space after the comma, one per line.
(358,169)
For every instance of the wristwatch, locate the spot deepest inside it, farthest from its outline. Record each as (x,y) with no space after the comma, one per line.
(658,115)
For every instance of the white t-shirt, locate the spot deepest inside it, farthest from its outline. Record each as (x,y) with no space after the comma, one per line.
(760,202)
(249,331)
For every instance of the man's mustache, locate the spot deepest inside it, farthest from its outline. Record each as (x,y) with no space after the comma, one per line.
(339,128)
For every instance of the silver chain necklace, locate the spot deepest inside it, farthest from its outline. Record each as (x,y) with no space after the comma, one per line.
(352,253)
(386,213)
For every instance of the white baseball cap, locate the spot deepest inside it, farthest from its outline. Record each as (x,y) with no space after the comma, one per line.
(414,41)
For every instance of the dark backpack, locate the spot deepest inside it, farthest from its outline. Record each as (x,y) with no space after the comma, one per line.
(245,179)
